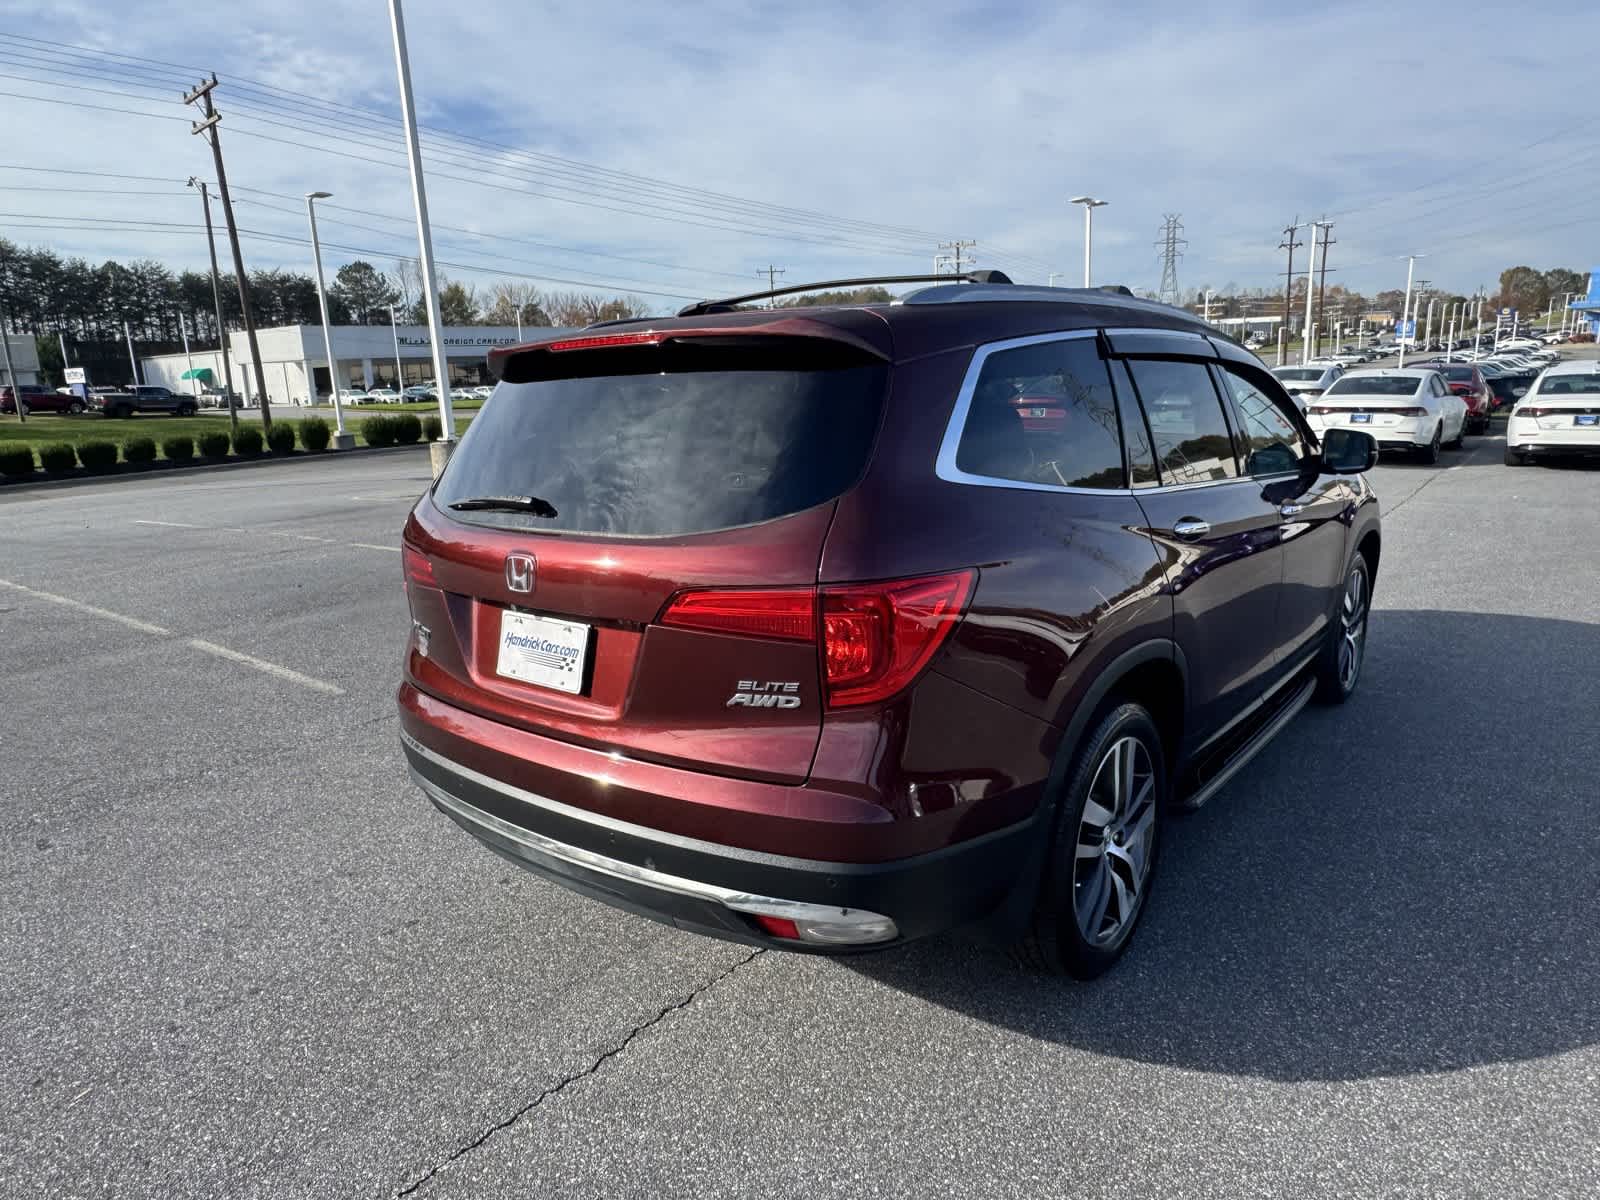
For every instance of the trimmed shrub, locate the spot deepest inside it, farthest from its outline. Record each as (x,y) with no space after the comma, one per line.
(378,431)
(281,437)
(432,429)
(407,429)
(178,449)
(247,442)
(315,434)
(16,459)
(214,445)
(97,455)
(139,450)
(58,456)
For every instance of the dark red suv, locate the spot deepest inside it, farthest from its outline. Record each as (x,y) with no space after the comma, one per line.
(829,628)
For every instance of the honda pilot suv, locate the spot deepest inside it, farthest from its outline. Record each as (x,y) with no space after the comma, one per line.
(830,628)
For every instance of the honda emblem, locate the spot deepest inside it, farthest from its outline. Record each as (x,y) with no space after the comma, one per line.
(519,572)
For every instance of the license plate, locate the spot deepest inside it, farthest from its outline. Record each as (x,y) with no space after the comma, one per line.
(543,651)
(1361,418)
(1587,419)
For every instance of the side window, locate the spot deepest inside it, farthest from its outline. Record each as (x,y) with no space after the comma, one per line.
(1142,471)
(1044,414)
(1192,442)
(1268,438)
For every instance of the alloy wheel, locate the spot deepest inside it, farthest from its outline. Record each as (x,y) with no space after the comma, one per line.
(1112,866)
(1353,628)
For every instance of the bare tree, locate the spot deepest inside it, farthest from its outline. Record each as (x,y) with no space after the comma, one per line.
(408,278)
(508,298)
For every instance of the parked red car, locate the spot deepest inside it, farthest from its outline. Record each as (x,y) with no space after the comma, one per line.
(1466,381)
(829,628)
(38,398)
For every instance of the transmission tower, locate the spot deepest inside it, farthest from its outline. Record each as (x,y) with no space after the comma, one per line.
(1171,243)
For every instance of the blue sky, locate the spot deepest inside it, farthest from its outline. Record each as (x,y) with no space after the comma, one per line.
(1448,129)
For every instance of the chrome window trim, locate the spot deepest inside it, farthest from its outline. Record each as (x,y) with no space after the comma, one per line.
(945,465)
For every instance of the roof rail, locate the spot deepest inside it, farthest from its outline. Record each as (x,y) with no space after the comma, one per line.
(701,307)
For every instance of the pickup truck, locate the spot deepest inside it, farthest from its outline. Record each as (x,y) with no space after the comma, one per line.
(124,402)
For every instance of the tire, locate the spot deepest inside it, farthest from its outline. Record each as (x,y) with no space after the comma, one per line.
(1430,453)
(25,407)
(120,413)
(1123,859)
(1461,436)
(1513,459)
(75,408)
(1338,668)
(184,410)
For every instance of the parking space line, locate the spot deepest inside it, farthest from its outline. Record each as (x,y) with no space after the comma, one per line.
(205,647)
(79,605)
(299,537)
(270,668)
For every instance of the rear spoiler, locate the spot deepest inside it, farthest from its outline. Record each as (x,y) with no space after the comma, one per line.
(504,359)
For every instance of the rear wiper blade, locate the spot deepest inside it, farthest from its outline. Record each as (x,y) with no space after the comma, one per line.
(533,505)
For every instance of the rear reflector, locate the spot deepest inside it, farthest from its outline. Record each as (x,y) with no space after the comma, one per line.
(874,638)
(416,567)
(778,927)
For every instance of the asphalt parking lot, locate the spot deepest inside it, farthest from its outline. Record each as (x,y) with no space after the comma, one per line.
(240,955)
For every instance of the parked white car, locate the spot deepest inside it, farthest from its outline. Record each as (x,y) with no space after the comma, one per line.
(383,395)
(1403,408)
(1558,415)
(1306,383)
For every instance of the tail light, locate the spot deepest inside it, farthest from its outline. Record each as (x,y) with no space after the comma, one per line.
(1536,412)
(415,566)
(1320,410)
(874,638)
(1411,412)
(1311,391)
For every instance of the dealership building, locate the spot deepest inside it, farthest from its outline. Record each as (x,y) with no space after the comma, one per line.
(296,365)
(1586,309)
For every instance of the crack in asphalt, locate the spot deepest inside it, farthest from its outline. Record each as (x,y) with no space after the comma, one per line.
(1467,459)
(560,1085)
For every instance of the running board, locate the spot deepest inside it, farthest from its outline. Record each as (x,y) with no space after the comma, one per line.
(1241,757)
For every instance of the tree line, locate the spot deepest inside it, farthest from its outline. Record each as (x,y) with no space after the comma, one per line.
(44,293)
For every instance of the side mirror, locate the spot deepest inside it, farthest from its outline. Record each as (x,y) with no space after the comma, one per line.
(1348,451)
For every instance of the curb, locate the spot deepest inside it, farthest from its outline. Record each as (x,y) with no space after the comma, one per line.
(156,470)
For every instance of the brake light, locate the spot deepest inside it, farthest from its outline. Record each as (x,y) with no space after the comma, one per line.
(1411,412)
(648,337)
(1536,412)
(789,614)
(415,566)
(874,638)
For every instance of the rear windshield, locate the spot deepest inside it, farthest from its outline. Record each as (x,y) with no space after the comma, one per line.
(1459,374)
(1570,385)
(1302,373)
(659,452)
(1376,385)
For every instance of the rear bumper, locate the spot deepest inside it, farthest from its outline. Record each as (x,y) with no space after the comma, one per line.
(714,889)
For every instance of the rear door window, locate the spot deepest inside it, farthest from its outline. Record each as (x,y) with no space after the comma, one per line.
(670,440)
(1044,414)
(1192,441)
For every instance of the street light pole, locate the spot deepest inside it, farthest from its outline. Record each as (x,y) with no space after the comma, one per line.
(1411,267)
(11,374)
(183,328)
(419,196)
(133,363)
(399,373)
(341,439)
(1089,205)
(1311,293)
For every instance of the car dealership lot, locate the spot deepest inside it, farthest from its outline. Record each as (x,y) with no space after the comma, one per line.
(242,954)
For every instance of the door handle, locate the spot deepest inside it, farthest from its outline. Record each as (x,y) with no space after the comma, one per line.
(1191,528)
(1290,510)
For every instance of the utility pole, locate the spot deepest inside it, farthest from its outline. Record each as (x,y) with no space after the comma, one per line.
(956,256)
(440,454)
(1322,278)
(183,328)
(61,338)
(1171,243)
(772,273)
(216,299)
(1427,333)
(11,374)
(394,330)
(209,127)
(1290,244)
